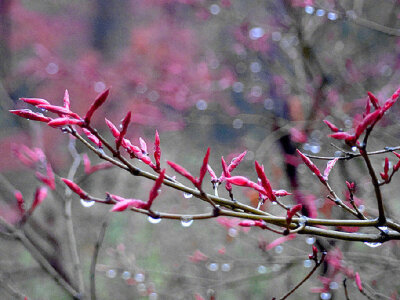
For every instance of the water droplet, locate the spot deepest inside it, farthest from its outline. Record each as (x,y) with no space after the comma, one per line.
(215,9)
(87,203)
(111,273)
(237,123)
(278,249)
(332,16)
(101,151)
(276,268)
(126,275)
(307,263)
(153,220)
(361,208)
(99,86)
(268,104)
(320,12)
(225,267)
(52,68)
(187,195)
(153,296)
(255,67)
(303,220)
(201,104)
(256,91)
(372,245)
(338,154)
(384,229)
(233,232)
(186,221)
(315,148)
(325,296)
(276,36)
(309,9)
(213,267)
(139,277)
(310,240)
(238,87)
(333,285)
(256,32)
(354,148)
(262,269)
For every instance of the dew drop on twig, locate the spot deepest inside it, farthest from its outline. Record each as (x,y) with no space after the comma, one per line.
(153,220)
(372,245)
(186,221)
(187,195)
(87,203)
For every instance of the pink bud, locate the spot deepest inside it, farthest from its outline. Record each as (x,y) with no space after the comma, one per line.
(350,186)
(292,211)
(374,100)
(76,189)
(279,241)
(198,256)
(226,173)
(203,169)
(30,115)
(40,195)
(311,166)
(329,167)
(96,104)
(66,101)
(281,193)
(157,150)
(20,202)
(92,137)
(155,189)
(143,145)
(125,124)
(61,111)
(385,174)
(332,127)
(265,182)
(114,130)
(341,136)
(236,161)
(34,101)
(182,171)
(65,121)
(253,223)
(212,174)
(358,282)
(128,203)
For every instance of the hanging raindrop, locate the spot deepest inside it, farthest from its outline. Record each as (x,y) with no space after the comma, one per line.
(186,221)
(87,203)
(153,220)
(187,195)
(372,245)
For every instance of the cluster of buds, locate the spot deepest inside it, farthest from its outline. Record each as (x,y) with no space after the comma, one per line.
(369,119)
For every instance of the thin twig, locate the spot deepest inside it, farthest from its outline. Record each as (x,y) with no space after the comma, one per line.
(345,289)
(41,260)
(95,256)
(353,155)
(68,216)
(307,277)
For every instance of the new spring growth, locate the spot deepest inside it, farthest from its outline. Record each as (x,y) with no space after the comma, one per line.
(314,255)
(265,182)
(197,181)
(125,123)
(291,212)
(20,202)
(157,151)
(40,195)
(385,173)
(76,189)
(358,282)
(396,167)
(123,204)
(95,105)
(253,223)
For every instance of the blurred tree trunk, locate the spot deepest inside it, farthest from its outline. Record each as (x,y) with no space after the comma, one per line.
(110,25)
(5,31)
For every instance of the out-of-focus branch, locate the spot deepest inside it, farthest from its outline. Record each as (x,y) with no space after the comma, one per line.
(68,215)
(96,251)
(42,261)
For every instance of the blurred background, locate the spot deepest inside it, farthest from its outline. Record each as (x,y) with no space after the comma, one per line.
(231,75)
